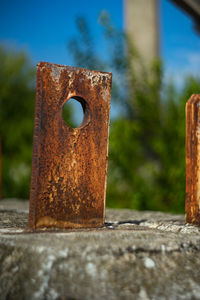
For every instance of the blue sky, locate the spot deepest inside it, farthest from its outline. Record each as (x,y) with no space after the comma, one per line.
(43,28)
(180,44)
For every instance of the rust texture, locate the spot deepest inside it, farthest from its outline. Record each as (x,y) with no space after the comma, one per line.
(69,165)
(192,204)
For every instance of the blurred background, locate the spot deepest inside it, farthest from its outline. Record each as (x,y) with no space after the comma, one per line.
(153,50)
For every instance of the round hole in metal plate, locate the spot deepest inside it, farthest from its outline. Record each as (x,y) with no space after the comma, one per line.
(75,112)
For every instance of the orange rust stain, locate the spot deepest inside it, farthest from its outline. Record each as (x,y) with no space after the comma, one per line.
(46,222)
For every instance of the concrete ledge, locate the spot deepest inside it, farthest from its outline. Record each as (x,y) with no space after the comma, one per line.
(137,255)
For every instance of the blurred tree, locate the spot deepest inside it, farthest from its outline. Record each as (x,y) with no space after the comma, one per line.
(147,138)
(16,121)
(17,101)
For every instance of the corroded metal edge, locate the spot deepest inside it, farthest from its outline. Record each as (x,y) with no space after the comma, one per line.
(34,177)
(192,203)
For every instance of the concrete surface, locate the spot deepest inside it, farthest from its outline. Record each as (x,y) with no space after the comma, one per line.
(137,255)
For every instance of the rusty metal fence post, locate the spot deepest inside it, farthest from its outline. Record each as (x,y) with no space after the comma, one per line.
(192,205)
(69,165)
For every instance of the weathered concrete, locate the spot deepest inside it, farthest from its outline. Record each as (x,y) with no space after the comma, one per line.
(137,255)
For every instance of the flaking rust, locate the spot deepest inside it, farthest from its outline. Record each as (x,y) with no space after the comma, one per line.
(69,165)
(192,205)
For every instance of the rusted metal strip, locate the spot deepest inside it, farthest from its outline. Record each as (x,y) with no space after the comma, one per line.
(69,165)
(192,205)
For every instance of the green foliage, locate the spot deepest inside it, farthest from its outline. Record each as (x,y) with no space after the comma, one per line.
(147,135)
(17,93)
(147,138)
(16,121)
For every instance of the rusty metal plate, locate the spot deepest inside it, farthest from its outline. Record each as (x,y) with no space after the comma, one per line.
(192,205)
(69,165)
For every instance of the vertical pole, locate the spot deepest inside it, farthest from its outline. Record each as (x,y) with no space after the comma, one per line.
(192,204)
(141,25)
